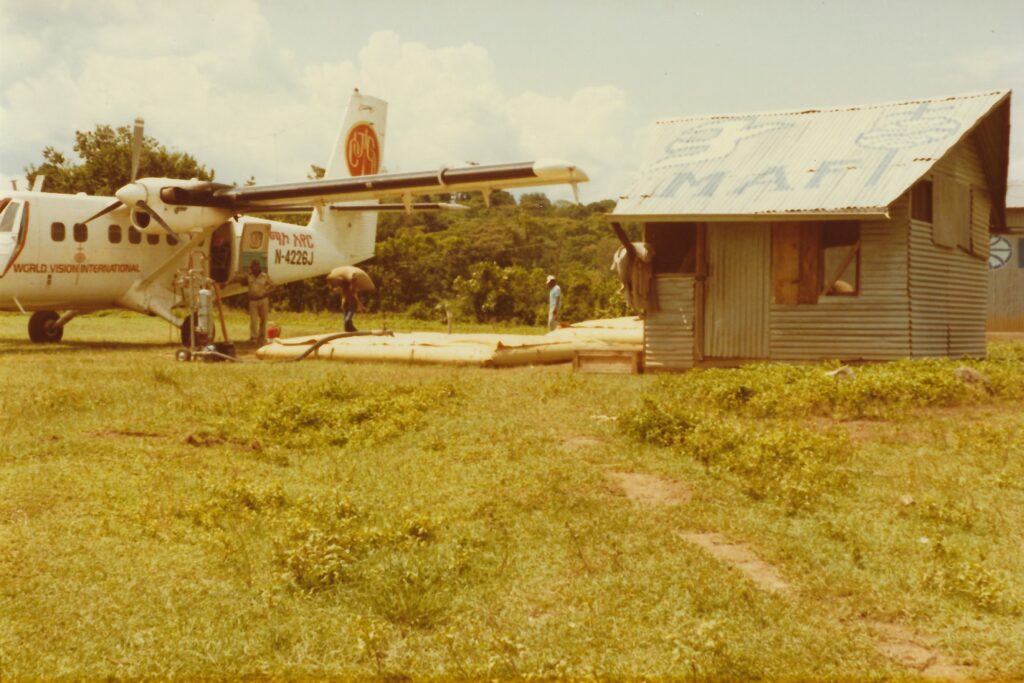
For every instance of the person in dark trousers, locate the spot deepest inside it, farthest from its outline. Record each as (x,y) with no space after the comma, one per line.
(350,303)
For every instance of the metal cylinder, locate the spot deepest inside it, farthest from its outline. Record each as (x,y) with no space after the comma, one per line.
(204,312)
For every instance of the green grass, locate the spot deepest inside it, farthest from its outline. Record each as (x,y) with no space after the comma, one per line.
(312,519)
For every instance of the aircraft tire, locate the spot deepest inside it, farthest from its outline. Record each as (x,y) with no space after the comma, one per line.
(41,329)
(186,330)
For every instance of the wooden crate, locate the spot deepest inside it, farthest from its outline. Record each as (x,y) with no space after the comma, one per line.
(608,361)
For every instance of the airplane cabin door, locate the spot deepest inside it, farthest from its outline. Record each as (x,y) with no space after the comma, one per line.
(255,245)
(12,233)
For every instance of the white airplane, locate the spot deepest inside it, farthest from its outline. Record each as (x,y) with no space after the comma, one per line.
(79,253)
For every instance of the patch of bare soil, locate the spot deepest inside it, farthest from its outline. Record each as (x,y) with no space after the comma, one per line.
(902,646)
(647,489)
(913,651)
(126,433)
(738,555)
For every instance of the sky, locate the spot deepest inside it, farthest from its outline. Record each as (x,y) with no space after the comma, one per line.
(257,88)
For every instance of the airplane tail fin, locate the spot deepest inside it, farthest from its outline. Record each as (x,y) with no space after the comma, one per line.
(357,151)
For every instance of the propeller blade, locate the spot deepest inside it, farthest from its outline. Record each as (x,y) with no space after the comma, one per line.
(155,216)
(113,207)
(137,147)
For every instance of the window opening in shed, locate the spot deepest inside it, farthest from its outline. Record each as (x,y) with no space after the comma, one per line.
(921,201)
(674,245)
(811,259)
(840,258)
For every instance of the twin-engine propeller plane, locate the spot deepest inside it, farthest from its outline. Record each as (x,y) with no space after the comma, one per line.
(62,255)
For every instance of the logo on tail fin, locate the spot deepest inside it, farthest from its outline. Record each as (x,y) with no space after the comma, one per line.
(362,150)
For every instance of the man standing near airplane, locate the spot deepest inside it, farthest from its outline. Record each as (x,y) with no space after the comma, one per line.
(260,286)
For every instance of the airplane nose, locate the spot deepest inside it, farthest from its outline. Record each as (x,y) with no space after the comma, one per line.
(132,193)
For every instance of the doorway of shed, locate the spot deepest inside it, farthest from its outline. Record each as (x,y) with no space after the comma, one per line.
(737,291)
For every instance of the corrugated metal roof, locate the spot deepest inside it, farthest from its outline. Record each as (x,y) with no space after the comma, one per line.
(848,161)
(1015,195)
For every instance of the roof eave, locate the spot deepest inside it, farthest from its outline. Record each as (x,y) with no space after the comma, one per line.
(874,213)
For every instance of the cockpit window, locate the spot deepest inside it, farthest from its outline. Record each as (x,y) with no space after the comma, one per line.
(7,219)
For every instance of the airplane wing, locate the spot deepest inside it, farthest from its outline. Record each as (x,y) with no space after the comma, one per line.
(386,186)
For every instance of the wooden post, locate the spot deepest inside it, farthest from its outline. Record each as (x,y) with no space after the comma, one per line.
(700,291)
(624,238)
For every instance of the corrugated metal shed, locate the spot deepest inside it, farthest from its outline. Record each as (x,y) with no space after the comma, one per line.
(844,162)
(1006,268)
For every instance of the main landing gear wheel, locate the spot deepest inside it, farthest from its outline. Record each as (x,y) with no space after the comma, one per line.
(186,330)
(183,355)
(41,328)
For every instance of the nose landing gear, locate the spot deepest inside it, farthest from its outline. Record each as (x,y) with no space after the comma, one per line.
(46,327)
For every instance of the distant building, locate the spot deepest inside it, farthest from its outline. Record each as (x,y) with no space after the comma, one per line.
(1006,267)
(856,233)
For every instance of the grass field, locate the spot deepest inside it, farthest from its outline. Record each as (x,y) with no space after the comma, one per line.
(314,519)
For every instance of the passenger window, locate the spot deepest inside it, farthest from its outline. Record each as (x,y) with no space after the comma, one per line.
(171,239)
(134,236)
(58,232)
(81,232)
(153,238)
(114,234)
(7,220)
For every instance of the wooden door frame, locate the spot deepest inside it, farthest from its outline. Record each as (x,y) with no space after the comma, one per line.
(700,292)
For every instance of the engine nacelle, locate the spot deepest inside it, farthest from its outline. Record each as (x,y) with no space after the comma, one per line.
(152,200)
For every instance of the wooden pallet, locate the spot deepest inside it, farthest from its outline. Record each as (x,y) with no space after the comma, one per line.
(609,362)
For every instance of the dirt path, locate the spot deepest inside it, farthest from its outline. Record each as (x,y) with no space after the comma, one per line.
(647,489)
(739,556)
(897,643)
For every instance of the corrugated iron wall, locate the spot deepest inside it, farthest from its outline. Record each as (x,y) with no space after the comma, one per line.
(875,325)
(668,333)
(1006,284)
(738,290)
(948,286)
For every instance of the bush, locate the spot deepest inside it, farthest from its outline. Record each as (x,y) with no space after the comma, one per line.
(782,461)
(335,412)
(880,390)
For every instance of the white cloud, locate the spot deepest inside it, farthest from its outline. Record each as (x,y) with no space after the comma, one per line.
(210,80)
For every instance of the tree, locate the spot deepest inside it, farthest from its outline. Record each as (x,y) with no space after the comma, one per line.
(535,201)
(105,166)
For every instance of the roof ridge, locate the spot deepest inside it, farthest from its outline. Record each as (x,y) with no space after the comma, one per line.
(827,110)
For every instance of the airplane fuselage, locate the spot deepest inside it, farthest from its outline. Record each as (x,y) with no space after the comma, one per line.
(49,261)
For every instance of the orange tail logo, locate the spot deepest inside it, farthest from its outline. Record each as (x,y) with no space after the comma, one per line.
(362,150)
